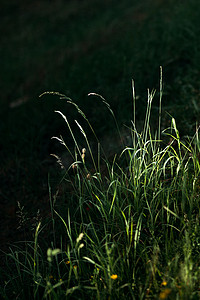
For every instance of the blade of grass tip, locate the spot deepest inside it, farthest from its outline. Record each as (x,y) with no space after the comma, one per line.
(138,136)
(35,264)
(67,229)
(181,143)
(134,111)
(62,96)
(160,103)
(64,117)
(85,136)
(151,141)
(99,159)
(104,213)
(111,111)
(90,126)
(152,94)
(89,238)
(84,116)
(171,212)
(62,142)
(114,194)
(51,207)
(126,224)
(175,128)
(178,136)
(92,262)
(148,114)
(113,165)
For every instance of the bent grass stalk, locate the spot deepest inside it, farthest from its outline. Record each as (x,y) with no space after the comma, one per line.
(137,236)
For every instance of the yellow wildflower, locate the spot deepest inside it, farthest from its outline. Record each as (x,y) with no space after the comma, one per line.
(164,294)
(164,283)
(113,276)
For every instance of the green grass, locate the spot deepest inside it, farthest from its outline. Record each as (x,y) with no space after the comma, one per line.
(93,46)
(130,230)
(138,209)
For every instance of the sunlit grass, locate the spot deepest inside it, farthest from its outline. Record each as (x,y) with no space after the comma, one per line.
(130,231)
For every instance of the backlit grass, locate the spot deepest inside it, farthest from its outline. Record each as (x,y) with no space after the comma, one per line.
(123,227)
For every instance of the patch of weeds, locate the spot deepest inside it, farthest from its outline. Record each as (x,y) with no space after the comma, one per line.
(127,225)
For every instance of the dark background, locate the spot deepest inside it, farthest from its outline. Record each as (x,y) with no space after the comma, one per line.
(77,47)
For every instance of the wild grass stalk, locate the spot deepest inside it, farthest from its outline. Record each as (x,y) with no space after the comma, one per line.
(130,232)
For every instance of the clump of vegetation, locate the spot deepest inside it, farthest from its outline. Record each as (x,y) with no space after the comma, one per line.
(119,227)
(76,47)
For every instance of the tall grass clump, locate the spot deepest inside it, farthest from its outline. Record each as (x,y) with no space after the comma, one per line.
(126,226)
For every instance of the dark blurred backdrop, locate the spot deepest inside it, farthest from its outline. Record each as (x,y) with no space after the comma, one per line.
(76,47)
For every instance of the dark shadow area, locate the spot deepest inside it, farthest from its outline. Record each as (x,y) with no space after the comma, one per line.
(77,47)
